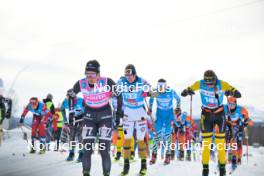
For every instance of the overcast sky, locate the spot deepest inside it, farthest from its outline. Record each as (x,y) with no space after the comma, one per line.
(176,40)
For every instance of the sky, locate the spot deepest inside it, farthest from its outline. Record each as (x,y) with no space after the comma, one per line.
(51,41)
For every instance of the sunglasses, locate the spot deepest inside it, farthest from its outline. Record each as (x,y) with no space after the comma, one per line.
(232,104)
(90,75)
(33,103)
(128,72)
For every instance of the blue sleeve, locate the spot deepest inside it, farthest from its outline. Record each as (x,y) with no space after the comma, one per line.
(80,104)
(226,110)
(151,101)
(188,124)
(177,98)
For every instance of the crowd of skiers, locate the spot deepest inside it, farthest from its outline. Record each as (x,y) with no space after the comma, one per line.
(121,116)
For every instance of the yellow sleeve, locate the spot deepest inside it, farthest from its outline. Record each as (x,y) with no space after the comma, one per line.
(195,86)
(226,86)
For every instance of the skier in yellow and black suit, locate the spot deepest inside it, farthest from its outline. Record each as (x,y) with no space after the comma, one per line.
(120,137)
(120,144)
(212,91)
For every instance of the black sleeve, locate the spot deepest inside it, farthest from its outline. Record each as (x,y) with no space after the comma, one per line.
(52,109)
(112,84)
(76,87)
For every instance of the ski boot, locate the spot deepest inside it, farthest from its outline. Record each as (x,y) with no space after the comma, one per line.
(86,173)
(79,159)
(126,168)
(106,174)
(205,170)
(167,159)
(222,170)
(42,149)
(48,147)
(132,155)
(118,156)
(239,161)
(143,169)
(153,158)
(181,155)
(172,155)
(188,156)
(32,150)
(71,156)
(234,162)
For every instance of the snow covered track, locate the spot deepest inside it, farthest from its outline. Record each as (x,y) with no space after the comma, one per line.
(13,163)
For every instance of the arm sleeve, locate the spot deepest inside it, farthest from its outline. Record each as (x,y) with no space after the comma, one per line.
(151,101)
(48,114)
(195,86)
(177,98)
(63,112)
(76,87)
(244,112)
(52,109)
(25,112)
(226,86)
(118,95)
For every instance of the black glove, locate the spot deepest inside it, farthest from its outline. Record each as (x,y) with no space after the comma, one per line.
(228,93)
(237,94)
(21,121)
(234,93)
(186,92)
(118,116)
(71,116)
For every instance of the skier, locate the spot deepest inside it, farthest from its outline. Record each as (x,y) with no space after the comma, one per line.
(134,90)
(5,112)
(49,133)
(73,111)
(57,124)
(212,92)
(120,136)
(165,97)
(182,122)
(41,115)
(97,92)
(237,119)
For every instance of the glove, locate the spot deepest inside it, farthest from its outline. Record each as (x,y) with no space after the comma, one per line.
(186,92)
(234,93)
(177,110)
(21,121)
(118,115)
(228,93)
(149,111)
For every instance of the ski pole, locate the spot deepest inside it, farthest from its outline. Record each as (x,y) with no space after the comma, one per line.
(191,106)
(24,134)
(152,119)
(246,137)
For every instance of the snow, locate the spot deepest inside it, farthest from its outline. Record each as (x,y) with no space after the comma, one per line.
(54,164)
